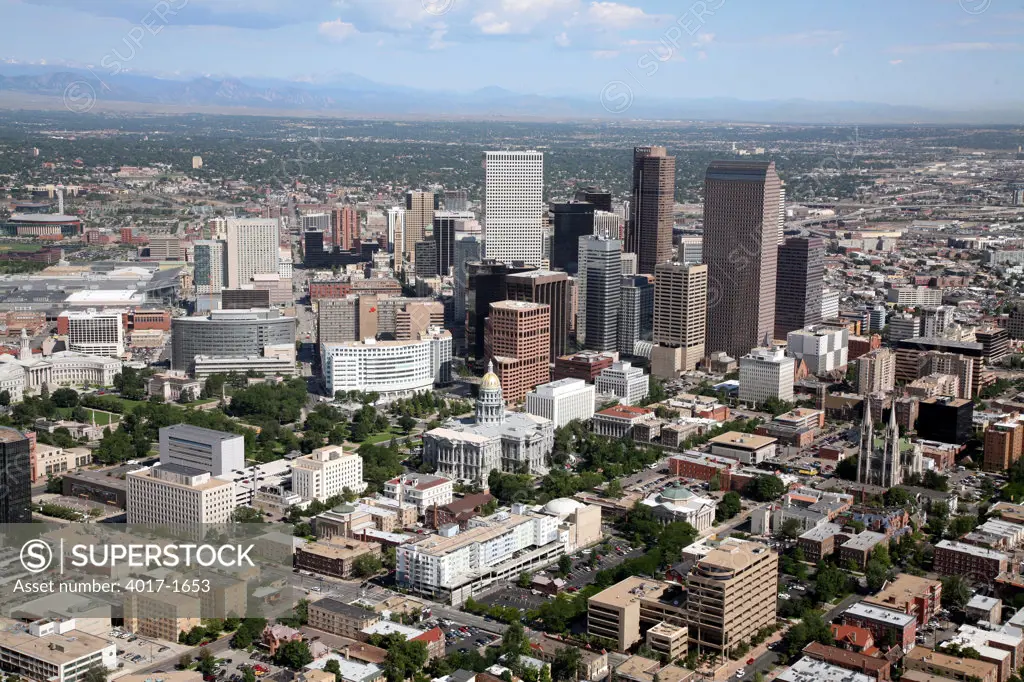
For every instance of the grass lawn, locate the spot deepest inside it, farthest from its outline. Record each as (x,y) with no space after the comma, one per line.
(102,418)
(384,437)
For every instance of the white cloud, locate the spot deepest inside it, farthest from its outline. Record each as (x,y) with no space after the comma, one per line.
(337,30)
(437,41)
(895,62)
(604,54)
(490,24)
(837,49)
(959,47)
(615,15)
(562,39)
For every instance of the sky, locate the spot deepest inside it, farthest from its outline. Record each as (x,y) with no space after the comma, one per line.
(955,54)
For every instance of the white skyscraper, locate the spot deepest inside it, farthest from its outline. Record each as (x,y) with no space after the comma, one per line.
(252,249)
(396,229)
(514,206)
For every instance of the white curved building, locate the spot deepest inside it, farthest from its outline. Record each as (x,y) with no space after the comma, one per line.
(392,368)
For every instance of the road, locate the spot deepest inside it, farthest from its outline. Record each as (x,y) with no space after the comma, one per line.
(168,664)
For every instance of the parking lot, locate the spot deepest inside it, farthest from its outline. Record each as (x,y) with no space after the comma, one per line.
(135,652)
(460,637)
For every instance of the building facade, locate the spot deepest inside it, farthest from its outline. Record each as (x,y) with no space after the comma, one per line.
(649,228)
(517,340)
(599,285)
(514,206)
(252,249)
(799,284)
(766,373)
(562,401)
(629,383)
(170,494)
(680,317)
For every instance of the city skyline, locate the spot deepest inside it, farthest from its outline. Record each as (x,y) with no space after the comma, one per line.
(951,55)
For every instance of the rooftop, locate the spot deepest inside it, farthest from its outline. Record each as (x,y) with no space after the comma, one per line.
(880,614)
(743,441)
(56,649)
(971,549)
(343,609)
(811,670)
(630,590)
(625,412)
(865,540)
(963,667)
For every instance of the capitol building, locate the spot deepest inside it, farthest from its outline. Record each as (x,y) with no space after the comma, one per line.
(470,449)
(27,374)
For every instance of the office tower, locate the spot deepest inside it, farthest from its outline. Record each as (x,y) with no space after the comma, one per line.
(636,311)
(252,336)
(600,281)
(217,452)
(244,299)
(467,249)
(801,277)
(326,472)
(211,266)
(766,373)
(946,419)
(96,332)
(15,476)
(731,595)
(396,232)
(741,202)
(456,200)
(628,263)
(649,230)
(345,227)
(936,321)
(419,214)
(252,249)
(691,250)
(876,371)
(624,380)
(823,349)
(571,221)
(514,206)
(446,225)
(175,495)
(829,304)
(623,612)
(995,343)
(550,288)
(876,318)
(601,199)
(608,225)
(517,340)
(680,318)
(485,284)
(316,221)
(426,259)
(166,248)
(782,214)
(562,401)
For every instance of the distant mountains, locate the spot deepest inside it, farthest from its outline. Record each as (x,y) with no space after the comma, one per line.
(353,95)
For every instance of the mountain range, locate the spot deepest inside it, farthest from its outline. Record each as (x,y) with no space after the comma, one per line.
(353,95)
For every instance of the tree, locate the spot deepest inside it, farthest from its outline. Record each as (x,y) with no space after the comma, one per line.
(830,582)
(207,662)
(525,580)
(564,564)
(613,490)
(514,642)
(246,515)
(293,654)
(673,538)
(249,675)
(404,658)
(765,488)
(95,673)
(406,423)
(876,574)
(5,398)
(332,666)
(65,397)
(55,485)
(366,565)
(567,663)
(956,591)
(791,529)
(184,661)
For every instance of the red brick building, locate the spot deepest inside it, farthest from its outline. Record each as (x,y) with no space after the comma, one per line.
(877,668)
(318,290)
(586,366)
(517,338)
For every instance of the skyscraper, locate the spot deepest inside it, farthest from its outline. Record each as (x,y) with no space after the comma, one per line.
(801,277)
(456,200)
(601,199)
(211,266)
(741,213)
(345,227)
(514,206)
(636,311)
(517,341)
(485,284)
(252,249)
(445,226)
(649,230)
(467,249)
(680,317)
(419,213)
(571,221)
(396,233)
(15,477)
(550,288)
(600,283)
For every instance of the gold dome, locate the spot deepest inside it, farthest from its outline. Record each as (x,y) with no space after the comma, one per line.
(490,381)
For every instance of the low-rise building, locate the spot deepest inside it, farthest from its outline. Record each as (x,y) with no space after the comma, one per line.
(858,548)
(335,557)
(883,624)
(51,461)
(562,401)
(743,447)
(53,650)
(917,596)
(953,667)
(619,421)
(978,563)
(339,618)
(669,640)
(420,490)
(809,669)
(875,667)
(629,383)
(622,612)
(593,664)
(327,472)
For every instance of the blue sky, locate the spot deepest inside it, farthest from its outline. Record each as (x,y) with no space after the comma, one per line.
(958,54)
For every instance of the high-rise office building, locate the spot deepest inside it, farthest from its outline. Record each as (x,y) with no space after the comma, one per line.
(550,288)
(217,452)
(800,280)
(345,227)
(446,224)
(601,199)
(426,258)
(316,221)
(210,274)
(252,249)
(514,206)
(649,230)
(15,476)
(467,249)
(571,221)
(96,332)
(741,213)
(456,200)
(600,284)
(518,341)
(636,311)
(419,214)
(396,232)
(173,495)
(691,250)
(608,225)
(485,284)
(680,319)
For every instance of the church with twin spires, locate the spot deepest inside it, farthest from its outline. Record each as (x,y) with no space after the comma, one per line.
(886,461)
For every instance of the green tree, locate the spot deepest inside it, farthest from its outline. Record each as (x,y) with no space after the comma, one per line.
(791,529)
(406,423)
(246,515)
(249,675)
(876,575)
(525,580)
(404,658)
(514,642)
(332,666)
(765,488)
(207,662)
(613,490)
(673,538)
(366,565)
(293,654)
(564,564)
(95,673)
(956,591)
(5,398)
(184,661)
(830,582)
(65,397)
(567,664)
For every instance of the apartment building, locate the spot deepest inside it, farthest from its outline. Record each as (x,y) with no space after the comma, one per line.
(625,611)
(883,624)
(335,557)
(456,564)
(978,563)
(952,667)
(95,332)
(339,618)
(53,650)
(732,593)
(161,615)
(326,472)
(919,597)
(171,494)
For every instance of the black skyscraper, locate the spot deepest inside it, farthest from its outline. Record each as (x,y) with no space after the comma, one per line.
(571,221)
(485,284)
(601,199)
(15,477)
(798,284)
